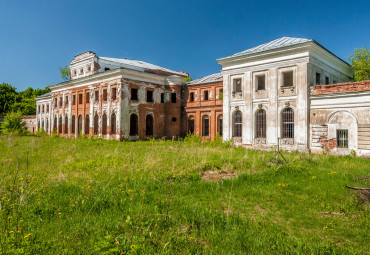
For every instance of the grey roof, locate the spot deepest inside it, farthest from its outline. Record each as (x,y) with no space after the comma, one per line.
(277,43)
(44,96)
(140,65)
(216,77)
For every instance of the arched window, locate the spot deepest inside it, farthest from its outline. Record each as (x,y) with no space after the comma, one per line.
(237,124)
(191,125)
(261,124)
(47,126)
(219,125)
(133,125)
(96,124)
(73,124)
(79,128)
(38,125)
(287,123)
(66,124)
(149,125)
(60,125)
(205,125)
(87,124)
(55,125)
(113,124)
(104,124)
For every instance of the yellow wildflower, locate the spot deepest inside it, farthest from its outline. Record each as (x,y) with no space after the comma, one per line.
(117,242)
(314,177)
(11,231)
(132,246)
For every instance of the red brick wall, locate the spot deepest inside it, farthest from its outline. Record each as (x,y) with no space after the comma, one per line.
(341,87)
(200,107)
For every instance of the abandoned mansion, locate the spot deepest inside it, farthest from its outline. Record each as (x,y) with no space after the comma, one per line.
(291,91)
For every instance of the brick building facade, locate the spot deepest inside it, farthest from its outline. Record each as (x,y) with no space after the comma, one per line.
(203,107)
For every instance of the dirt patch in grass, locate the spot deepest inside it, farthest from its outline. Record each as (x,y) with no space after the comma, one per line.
(212,175)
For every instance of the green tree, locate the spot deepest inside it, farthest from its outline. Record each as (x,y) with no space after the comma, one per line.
(360,62)
(8,96)
(65,73)
(13,123)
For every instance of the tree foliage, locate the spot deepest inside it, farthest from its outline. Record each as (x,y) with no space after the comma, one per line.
(360,62)
(65,73)
(24,101)
(13,123)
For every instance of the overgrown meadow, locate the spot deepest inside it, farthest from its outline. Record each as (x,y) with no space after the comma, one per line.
(92,196)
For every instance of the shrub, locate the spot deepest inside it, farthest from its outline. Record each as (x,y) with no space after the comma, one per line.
(13,123)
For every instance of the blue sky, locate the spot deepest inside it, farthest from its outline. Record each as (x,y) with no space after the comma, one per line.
(36,37)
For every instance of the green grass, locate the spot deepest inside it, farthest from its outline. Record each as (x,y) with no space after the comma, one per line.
(88,196)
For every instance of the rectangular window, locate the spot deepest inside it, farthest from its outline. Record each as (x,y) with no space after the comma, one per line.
(326,80)
(74,100)
(206,95)
(261,82)
(79,98)
(55,103)
(96,95)
(342,138)
(173,98)
(191,96)
(288,79)
(318,78)
(47,108)
(66,100)
(105,95)
(114,93)
(149,96)
(87,97)
(134,94)
(60,102)
(162,98)
(237,85)
(43,109)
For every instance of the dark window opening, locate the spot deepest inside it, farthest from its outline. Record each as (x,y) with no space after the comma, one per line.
(162,98)
(114,93)
(149,96)
(133,125)
(173,98)
(104,124)
(96,95)
(288,79)
(318,78)
(87,124)
(220,127)
(60,125)
(55,103)
(261,82)
(326,80)
(237,85)
(261,124)
(43,108)
(149,125)
(342,138)
(79,128)
(134,95)
(206,95)
(113,124)
(66,100)
(205,125)
(96,124)
(106,69)
(105,97)
(237,124)
(80,99)
(73,124)
(74,100)
(55,125)
(192,97)
(66,124)
(60,102)
(174,119)
(191,125)
(87,97)
(287,119)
